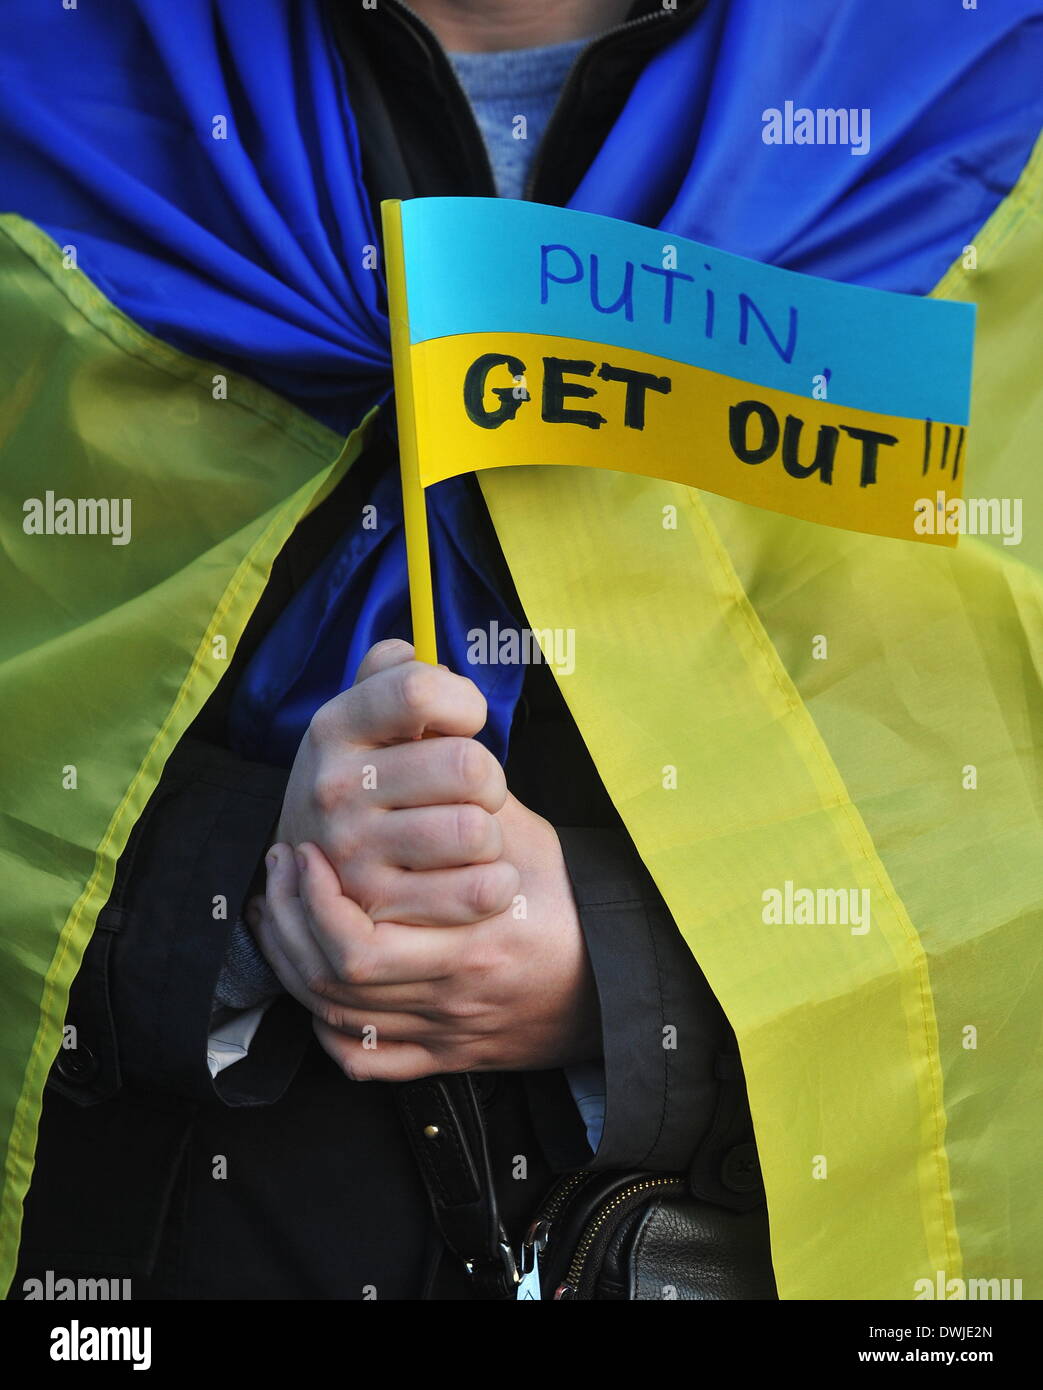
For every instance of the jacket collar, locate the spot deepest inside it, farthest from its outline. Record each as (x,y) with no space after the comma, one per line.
(418,134)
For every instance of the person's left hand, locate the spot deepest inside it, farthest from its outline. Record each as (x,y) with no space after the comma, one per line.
(395,1002)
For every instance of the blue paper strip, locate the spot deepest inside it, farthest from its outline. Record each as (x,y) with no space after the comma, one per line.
(498,265)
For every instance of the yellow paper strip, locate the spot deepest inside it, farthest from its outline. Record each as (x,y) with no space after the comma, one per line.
(609,408)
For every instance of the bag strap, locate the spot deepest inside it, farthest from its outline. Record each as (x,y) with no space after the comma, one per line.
(443,1121)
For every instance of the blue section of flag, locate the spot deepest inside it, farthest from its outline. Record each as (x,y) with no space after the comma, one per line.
(486,265)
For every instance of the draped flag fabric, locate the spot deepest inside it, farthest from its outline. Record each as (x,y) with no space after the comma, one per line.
(894,1073)
(826,742)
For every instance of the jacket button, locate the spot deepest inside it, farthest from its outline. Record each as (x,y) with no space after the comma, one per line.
(77,1065)
(740,1171)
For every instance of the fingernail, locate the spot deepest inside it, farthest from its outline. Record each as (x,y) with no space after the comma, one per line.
(302,863)
(271,859)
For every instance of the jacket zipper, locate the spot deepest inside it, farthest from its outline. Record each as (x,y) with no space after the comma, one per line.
(569,85)
(437,57)
(573,1279)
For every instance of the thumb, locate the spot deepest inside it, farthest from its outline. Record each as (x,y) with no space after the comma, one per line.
(382,656)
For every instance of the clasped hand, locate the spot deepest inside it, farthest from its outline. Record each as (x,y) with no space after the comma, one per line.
(420,912)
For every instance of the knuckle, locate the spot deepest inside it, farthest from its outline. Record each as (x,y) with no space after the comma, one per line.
(322,985)
(489,961)
(329,789)
(354,1068)
(489,889)
(330,1014)
(354,851)
(472,691)
(461,1010)
(496,783)
(374,888)
(324,723)
(472,831)
(418,688)
(355,968)
(471,764)
(390,646)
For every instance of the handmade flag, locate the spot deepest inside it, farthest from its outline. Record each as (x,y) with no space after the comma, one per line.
(526,334)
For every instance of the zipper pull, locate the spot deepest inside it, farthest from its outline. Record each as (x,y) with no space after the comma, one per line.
(533,1247)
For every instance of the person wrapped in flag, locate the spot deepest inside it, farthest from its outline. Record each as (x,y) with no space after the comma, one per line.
(679,865)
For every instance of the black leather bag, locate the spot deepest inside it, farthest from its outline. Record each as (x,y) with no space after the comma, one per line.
(642,1235)
(611,1235)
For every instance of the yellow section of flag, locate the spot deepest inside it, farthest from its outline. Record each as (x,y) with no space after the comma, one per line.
(493,400)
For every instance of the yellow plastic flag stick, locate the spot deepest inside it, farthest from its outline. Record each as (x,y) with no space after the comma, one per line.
(414,503)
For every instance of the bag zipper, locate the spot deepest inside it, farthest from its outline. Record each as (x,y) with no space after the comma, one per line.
(539,1232)
(573,1281)
(560,1194)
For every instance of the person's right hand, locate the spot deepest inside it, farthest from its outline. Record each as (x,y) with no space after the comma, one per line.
(408,822)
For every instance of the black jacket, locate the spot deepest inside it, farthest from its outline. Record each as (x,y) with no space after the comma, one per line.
(280,1178)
